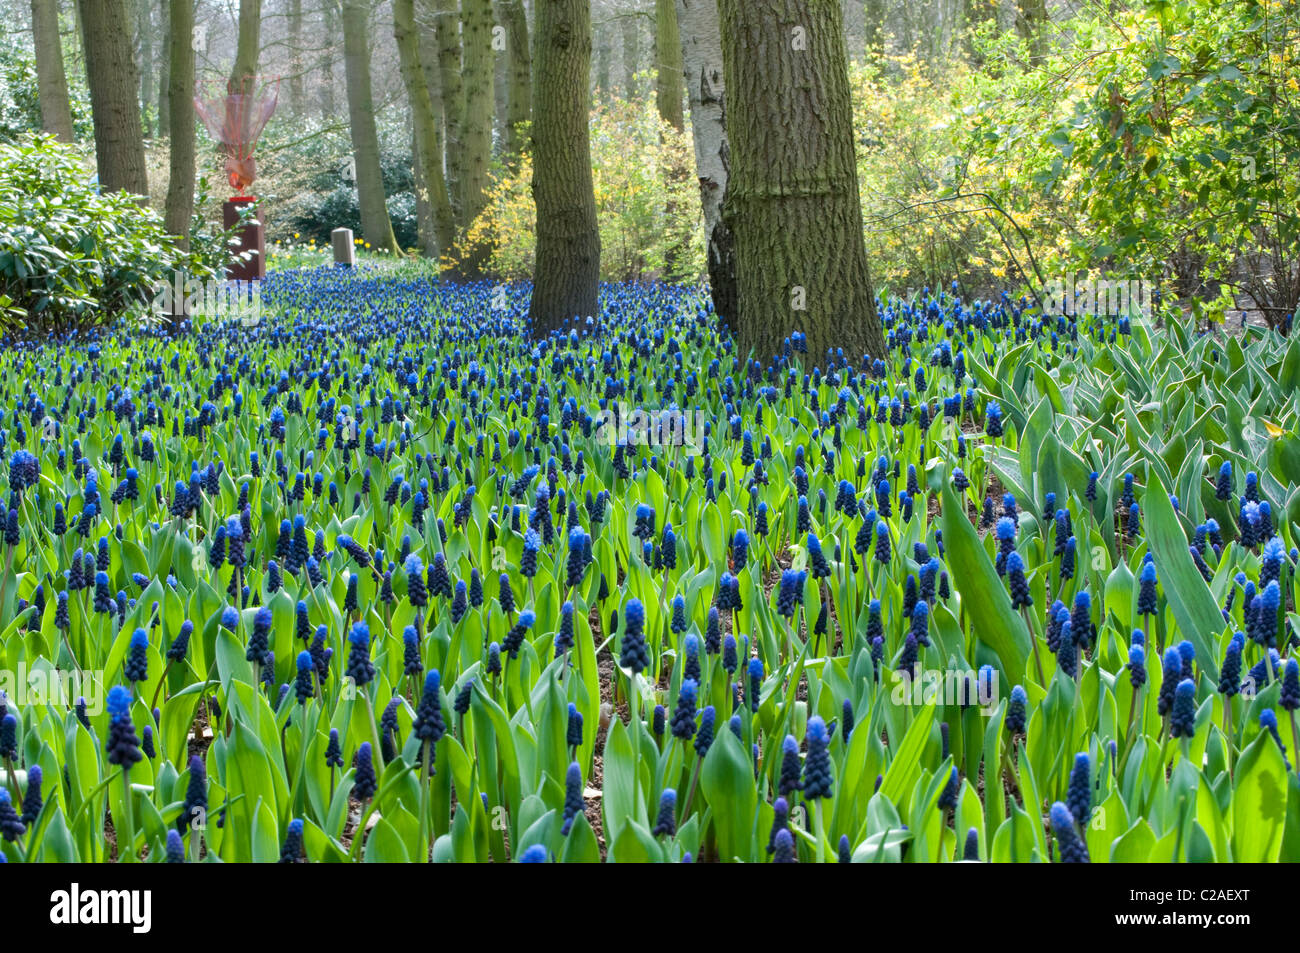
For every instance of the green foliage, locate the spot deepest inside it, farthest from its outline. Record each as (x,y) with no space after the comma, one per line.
(71,256)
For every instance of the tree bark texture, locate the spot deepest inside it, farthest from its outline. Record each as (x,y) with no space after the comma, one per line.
(376,227)
(114,85)
(51,80)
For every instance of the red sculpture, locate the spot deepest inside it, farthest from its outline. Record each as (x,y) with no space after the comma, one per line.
(235,119)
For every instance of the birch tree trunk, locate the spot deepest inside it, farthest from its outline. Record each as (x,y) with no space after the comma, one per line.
(792,198)
(697,21)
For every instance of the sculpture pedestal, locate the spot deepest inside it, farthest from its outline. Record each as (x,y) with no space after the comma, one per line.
(251,237)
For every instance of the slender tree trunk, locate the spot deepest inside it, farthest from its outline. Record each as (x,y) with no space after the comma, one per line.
(329,10)
(428,137)
(702,59)
(144,42)
(604,51)
(164,71)
(519,109)
(248,46)
(1031,18)
(295,54)
(566,274)
(376,227)
(447,31)
(111,76)
(476,39)
(792,199)
(51,80)
(631,53)
(873,28)
(668,64)
(180,107)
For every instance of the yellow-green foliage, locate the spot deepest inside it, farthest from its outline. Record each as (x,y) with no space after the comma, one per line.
(649,215)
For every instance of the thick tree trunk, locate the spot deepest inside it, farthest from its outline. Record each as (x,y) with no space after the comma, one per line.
(180,107)
(376,227)
(144,43)
(428,137)
(566,273)
(476,39)
(792,198)
(519,109)
(111,76)
(702,64)
(668,65)
(164,71)
(51,80)
(446,27)
(631,53)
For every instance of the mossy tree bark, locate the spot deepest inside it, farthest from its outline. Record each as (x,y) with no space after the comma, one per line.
(792,200)
(248,46)
(180,108)
(566,272)
(376,226)
(519,99)
(164,70)
(111,76)
(668,65)
(446,31)
(477,59)
(51,80)
(428,136)
(144,48)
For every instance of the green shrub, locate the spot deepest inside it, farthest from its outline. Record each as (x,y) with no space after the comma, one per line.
(72,257)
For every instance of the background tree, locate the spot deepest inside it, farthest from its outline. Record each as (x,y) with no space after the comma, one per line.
(248,46)
(180,104)
(792,200)
(476,61)
(428,136)
(446,25)
(376,226)
(567,271)
(112,78)
(51,80)
(520,96)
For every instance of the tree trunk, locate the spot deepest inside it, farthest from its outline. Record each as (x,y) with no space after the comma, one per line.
(566,273)
(247,47)
(329,10)
(1031,18)
(631,53)
(702,59)
(792,200)
(446,27)
(180,108)
(668,65)
(604,62)
(873,28)
(428,137)
(51,80)
(476,40)
(144,42)
(165,71)
(111,76)
(519,100)
(295,54)
(376,227)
